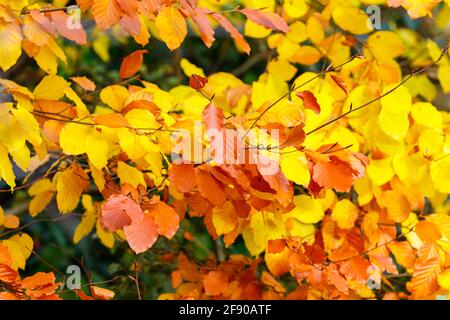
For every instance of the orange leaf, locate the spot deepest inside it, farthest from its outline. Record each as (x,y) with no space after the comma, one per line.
(119,211)
(84,82)
(267,19)
(201,20)
(235,34)
(309,100)
(176,278)
(112,120)
(183,177)
(106,13)
(166,219)
(427,267)
(131,64)
(40,284)
(215,283)
(102,293)
(141,234)
(210,188)
(276,246)
(427,231)
(334,174)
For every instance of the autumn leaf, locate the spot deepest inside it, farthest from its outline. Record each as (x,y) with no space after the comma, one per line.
(172,27)
(131,64)
(197,82)
(141,234)
(84,82)
(267,19)
(120,211)
(309,100)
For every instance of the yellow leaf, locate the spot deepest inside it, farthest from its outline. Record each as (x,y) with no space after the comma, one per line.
(82,110)
(107,238)
(21,157)
(314,29)
(444,280)
(353,20)
(11,47)
(384,45)
(397,101)
(2,216)
(114,96)
(172,27)
(72,138)
(101,46)
(345,214)
(51,88)
(130,174)
(425,114)
(431,142)
(142,119)
(307,209)
(86,225)
(395,125)
(224,218)
(6,170)
(40,202)
(28,124)
(297,32)
(440,174)
(69,186)
(97,149)
(16,253)
(46,60)
(25,243)
(281,69)
(97,175)
(295,167)
(254,30)
(11,222)
(189,68)
(380,171)
(296,8)
(444,77)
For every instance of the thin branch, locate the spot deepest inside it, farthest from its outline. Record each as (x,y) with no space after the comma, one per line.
(443,53)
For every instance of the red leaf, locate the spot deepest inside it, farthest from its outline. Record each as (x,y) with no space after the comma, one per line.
(340,83)
(267,19)
(119,211)
(197,82)
(141,235)
(131,64)
(235,34)
(183,177)
(309,100)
